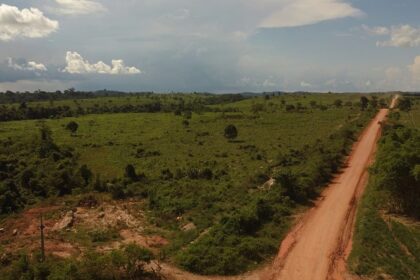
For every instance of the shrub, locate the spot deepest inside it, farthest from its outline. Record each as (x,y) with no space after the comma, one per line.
(130,172)
(231,132)
(72,127)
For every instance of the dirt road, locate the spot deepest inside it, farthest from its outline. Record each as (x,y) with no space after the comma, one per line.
(318,246)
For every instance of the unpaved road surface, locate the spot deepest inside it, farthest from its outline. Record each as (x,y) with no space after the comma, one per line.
(317,248)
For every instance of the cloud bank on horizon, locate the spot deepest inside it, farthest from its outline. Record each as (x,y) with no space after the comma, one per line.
(76,64)
(216,46)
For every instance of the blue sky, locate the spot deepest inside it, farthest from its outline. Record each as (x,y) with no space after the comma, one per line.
(216,46)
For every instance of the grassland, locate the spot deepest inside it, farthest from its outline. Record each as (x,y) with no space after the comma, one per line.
(412,117)
(190,174)
(385,245)
(108,142)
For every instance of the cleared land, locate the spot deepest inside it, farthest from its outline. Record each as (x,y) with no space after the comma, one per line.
(221,206)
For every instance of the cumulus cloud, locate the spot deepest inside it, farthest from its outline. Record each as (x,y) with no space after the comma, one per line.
(305,84)
(404,36)
(393,74)
(76,64)
(78,7)
(27,66)
(29,23)
(305,12)
(415,69)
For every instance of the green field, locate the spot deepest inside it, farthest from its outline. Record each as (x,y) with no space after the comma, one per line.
(412,117)
(185,169)
(108,142)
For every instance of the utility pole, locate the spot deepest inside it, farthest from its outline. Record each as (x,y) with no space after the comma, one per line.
(42,240)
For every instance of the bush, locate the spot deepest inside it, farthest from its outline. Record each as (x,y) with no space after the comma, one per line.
(72,127)
(231,132)
(127,263)
(397,169)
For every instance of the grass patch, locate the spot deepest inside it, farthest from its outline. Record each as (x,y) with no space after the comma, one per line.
(383,246)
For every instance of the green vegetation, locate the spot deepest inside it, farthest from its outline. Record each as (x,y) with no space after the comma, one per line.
(200,159)
(127,263)
(387,237)
(410,115)
(37,169)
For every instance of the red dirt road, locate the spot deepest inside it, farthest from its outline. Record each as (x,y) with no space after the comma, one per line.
(318,246)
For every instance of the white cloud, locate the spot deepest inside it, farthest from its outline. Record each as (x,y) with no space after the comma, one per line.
(76,64)
(240,35)
(393,74)
(377,30)
(78,7)
(415,69)
(269,84)
(29,23)
(401,78)
(179,14)
(305,84)
(331,83)
(305,12)
(29,66)
(400,36)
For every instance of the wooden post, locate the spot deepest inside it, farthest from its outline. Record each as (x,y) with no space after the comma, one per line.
(42,240)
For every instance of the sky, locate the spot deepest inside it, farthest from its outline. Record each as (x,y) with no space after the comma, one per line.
(210,46)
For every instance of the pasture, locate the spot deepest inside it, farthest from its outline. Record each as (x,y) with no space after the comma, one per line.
(235,195)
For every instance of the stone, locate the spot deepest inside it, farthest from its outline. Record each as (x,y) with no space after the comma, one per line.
(189,226)
(66,222)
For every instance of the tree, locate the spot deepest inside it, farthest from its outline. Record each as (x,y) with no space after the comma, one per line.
(130,172)
(374,102)
(72,127)
(364,102)
(23,106)
(338,103)
(47,145)
(185,123)
(405,104)
(188,115)
(258,107)
(290,107)
(86,174)
(231,132)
